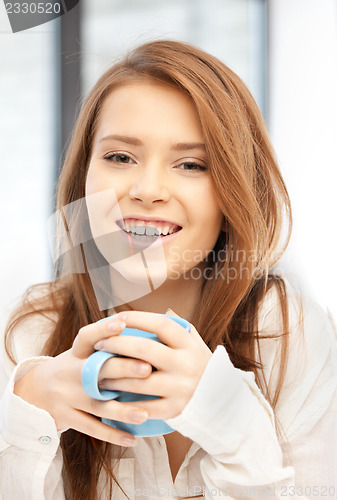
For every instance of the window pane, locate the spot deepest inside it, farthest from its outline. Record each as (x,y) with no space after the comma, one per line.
(232,30)
(27,115)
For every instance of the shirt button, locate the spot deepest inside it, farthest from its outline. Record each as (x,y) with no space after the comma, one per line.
(45,439)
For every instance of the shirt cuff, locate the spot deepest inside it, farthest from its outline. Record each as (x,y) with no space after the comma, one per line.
(221,408)
(24,425)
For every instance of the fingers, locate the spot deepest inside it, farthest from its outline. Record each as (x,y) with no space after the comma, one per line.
(117,368)
(114,410)
(168,331)
(87,424)
(87,336)
(159,384)
(148,350)
(163,408)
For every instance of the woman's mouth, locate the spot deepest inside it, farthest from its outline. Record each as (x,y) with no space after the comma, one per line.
(148,230)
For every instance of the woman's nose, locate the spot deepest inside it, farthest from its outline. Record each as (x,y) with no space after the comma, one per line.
(149,185)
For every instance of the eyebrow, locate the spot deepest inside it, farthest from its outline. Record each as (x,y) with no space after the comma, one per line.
(180,146)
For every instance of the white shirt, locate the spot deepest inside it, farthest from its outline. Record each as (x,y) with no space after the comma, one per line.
(235,452)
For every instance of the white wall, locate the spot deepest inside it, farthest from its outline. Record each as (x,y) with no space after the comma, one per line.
(27,93)
(303,125)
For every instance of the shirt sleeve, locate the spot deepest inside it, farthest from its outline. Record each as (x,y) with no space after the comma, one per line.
(229,417)
(30,455)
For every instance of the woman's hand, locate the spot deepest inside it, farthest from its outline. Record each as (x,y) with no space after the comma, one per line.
(180,362)
(55,386)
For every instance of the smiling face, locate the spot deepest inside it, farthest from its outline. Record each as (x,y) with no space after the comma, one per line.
(149,165)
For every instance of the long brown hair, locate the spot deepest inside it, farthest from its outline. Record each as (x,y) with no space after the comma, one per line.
(256,209)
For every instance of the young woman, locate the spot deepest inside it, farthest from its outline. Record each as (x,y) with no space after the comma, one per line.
(170,200)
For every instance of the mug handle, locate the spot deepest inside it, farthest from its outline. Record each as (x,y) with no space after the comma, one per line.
(90,373)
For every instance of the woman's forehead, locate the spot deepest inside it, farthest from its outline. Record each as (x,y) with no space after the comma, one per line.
(147,106)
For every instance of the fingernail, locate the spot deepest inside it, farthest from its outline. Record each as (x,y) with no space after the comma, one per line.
(138,416)
(116,326)
(99,345)
(126,441)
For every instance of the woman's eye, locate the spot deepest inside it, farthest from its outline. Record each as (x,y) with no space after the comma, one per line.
(191,166)
(119,158)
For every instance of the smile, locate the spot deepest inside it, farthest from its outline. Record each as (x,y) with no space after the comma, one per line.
(144,229)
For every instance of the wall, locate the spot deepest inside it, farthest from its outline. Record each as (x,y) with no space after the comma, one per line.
(27,114)
(303,125)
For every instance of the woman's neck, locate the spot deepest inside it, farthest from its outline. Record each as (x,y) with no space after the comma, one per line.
(182,296)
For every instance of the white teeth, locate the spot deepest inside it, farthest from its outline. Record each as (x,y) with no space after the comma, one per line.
(147,229)
(150,230)
(140,230)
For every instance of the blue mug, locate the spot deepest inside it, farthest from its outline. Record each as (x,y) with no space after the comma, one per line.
(90,373)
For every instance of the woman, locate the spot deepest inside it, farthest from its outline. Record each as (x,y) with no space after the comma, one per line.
(170,200)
